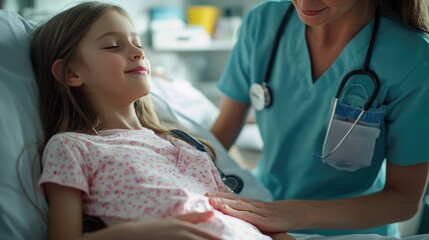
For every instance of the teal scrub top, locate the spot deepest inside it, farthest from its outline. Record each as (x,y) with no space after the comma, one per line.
(294,127)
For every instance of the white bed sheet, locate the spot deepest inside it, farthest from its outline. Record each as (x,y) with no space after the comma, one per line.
(358,237)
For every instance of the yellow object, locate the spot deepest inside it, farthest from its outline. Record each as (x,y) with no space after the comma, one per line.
(203,15)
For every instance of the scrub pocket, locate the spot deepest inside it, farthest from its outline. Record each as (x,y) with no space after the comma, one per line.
(357,150)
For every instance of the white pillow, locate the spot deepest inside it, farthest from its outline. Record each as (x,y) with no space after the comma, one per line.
(21,131)
(186,99)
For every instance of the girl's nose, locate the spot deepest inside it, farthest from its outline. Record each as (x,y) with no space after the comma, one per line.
(137,53)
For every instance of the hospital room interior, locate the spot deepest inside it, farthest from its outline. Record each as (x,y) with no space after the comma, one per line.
(188,43)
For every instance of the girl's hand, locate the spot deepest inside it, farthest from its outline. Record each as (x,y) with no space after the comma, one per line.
(269,217)
(180,227)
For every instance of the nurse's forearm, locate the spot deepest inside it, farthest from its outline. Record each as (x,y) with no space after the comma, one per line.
(357,213)
(398,201)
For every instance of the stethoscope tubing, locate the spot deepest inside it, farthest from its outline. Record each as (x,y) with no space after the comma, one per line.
(276,44)
(374,80)
(364,71)
(231,180)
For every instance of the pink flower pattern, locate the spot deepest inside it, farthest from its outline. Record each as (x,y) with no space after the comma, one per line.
(133,175)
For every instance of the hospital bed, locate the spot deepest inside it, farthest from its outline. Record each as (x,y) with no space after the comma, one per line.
(23,209)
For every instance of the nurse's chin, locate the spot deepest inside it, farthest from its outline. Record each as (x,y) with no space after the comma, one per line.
(313,21)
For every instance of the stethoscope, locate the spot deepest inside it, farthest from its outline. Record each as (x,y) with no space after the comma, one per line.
(234,182)
(260,93)
(261,96)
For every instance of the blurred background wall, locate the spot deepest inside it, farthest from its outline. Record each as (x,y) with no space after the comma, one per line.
(199,59)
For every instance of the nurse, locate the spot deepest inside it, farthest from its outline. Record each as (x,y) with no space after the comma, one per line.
(323,182)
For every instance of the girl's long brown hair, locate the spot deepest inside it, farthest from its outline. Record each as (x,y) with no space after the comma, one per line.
(68,109)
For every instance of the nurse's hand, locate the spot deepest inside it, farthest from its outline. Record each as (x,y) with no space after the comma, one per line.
(278,216)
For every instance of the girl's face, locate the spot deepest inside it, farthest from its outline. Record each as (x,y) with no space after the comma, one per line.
(111,64)
(320,12)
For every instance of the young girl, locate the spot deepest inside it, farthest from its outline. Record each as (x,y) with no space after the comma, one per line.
(107,154)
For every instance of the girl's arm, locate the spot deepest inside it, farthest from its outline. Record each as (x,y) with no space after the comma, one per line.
(65,221)
(398,201)
(65,211)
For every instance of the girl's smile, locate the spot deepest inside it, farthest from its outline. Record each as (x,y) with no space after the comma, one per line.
(139,70)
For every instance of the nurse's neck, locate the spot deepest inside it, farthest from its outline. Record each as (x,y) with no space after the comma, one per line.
(326,41)
(339,31)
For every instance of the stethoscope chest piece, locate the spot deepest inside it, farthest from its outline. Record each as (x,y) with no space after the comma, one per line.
(260,96)
(234,182)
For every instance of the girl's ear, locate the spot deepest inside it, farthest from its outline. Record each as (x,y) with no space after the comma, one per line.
(71,77)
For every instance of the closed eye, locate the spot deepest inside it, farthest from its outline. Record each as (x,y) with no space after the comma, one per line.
(137,45)
(111,47)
